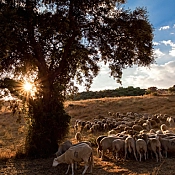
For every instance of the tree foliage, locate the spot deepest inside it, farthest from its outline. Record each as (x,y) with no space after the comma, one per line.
(171,89)
(58,44)
(118,92)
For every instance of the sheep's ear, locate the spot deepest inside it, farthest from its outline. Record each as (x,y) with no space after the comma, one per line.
(55,162)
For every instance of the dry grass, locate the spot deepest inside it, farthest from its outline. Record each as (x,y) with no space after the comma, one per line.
(12,135)
(99,108)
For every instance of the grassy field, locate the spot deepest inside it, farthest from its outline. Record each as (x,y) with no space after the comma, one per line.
(12,137)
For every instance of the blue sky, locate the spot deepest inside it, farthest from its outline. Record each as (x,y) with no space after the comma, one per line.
(161,14)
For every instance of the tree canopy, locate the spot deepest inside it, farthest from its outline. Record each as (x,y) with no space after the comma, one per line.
(60,43)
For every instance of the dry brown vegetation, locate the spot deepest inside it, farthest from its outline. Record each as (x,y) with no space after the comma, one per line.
(12,136)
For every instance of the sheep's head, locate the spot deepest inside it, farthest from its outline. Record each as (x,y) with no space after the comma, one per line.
(55,162)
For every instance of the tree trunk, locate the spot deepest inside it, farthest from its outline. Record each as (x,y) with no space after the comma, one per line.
(49,123)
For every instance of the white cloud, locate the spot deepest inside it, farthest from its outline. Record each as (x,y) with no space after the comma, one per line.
(160,76)
(169,42)
(164,28)
(174,26)
(158,53)
(172,52)
(156,43)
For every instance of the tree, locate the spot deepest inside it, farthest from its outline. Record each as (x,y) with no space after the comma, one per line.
(151,90)
(57,43)
(171,90)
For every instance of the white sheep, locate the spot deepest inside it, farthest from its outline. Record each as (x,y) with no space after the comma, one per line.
(78,153)
(106,144)
(137,128)
(141,146)
(154,145)
(78,136)
(118,146)
(170,121)
(168,145)
(99,138)
(62,148)
(163,127)
(87,142)
(130,146)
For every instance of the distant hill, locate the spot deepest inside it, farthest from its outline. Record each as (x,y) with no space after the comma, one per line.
(118,92)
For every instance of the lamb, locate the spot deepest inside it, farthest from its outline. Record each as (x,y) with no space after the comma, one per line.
(78,136)
(118,146)
(141,146)
(63,147)
(78,153)
(130,145)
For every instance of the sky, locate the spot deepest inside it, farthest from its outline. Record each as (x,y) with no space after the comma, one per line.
(161,74)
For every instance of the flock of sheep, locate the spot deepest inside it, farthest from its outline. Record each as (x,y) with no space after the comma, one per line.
(128,136)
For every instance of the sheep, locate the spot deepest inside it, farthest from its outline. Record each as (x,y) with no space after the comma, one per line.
(78,153)
(163,127)
(137,127)
(75,128)
(141,146)
(152,131)
(168,145)
(106,144)
(87,142)
(130,143)
(78,136)
(112,132)
(98,143)
(146,126)
(154,145)
(170,121)
(63,148)
(118,146)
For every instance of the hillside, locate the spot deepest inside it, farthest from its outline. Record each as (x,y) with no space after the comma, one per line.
(99,108)
(12,136)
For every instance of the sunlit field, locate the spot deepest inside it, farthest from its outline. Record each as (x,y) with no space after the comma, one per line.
(13,130)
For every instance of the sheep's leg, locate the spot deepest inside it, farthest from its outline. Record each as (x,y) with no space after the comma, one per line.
(135,155)
(125,151)
(117,156)
(85,169)
(91,162)
(98,152)
(90,171)
(160,156)
(145,153)
(156,156)
(76,165)
(72,165)
(103,154)
(140,155)
(67,169)
(165,153)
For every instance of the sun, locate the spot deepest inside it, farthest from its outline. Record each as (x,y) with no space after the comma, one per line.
(28,86)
